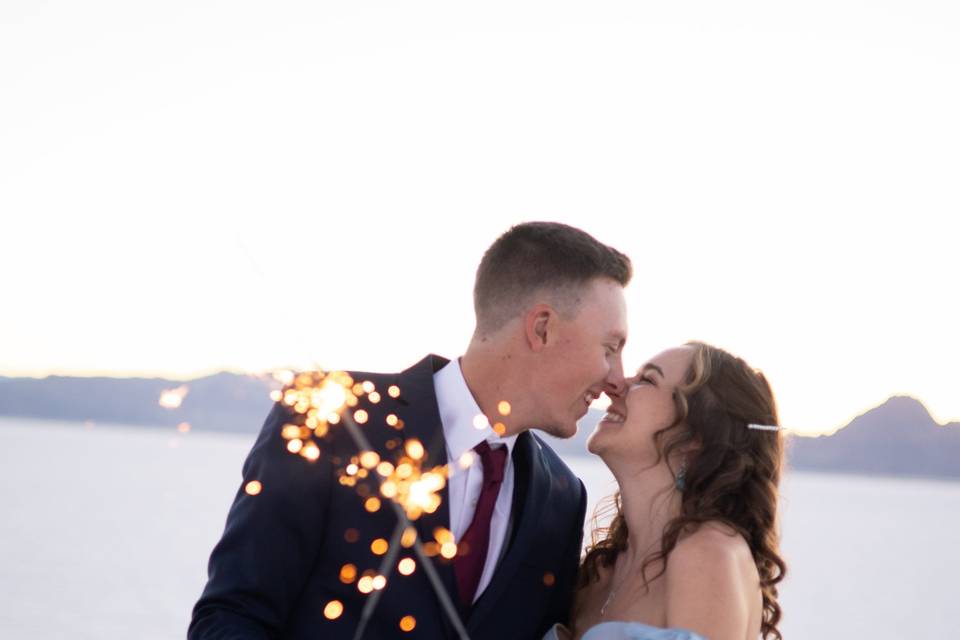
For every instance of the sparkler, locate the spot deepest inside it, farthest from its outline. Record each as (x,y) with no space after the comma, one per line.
(319,401)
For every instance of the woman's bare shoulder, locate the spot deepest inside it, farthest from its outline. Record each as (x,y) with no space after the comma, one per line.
(714,552)
(712,583)
(714,543)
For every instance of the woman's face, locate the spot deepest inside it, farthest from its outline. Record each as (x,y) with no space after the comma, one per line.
(645,407)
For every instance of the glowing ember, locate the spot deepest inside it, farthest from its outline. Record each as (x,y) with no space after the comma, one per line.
(276,395)
(333,610)
(283,376)
(409,537)
(379,582)
(504,408)
(408,623)
(351,535)
(311,451)
(379,546)
(369,459)
(373,397)
(388,490)
(423,493)
(466,460)
(480,421)
(348,573)
(500,428)
(414,490)
(360,416)
(183,427)
(549,579)
(392,420)
(253,488)
(448,550)
(295,445)
(372,504)
(414,449)
(365,584)
(393,391)
(173,398)
(407,566)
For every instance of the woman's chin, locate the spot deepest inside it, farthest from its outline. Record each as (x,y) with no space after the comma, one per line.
(599,440)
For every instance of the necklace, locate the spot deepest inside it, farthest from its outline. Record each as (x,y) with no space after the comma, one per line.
(603,609)
(612,595)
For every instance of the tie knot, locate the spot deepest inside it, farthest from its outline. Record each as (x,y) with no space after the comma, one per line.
(493,460)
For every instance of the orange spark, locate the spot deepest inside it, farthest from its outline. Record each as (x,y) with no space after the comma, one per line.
(173,398)
(348,573)
(333,610)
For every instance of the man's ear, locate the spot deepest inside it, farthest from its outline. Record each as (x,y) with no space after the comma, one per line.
(540,325)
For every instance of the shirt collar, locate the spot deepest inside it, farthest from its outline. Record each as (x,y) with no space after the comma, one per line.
(458,409)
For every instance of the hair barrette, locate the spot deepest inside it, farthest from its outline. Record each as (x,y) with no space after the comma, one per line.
(766,427)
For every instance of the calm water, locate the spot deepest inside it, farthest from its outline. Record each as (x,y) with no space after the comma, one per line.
(105,532)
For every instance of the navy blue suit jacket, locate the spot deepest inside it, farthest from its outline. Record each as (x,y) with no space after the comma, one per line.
(279,560)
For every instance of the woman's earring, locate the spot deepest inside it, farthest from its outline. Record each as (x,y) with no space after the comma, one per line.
(681,479)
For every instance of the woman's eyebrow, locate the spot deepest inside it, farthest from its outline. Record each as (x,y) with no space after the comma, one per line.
(650,365)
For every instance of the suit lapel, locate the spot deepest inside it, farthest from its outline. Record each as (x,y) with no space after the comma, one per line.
(530,494)
(422,421)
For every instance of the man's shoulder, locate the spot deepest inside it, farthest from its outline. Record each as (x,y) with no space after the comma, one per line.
(550,456)
(558,468)
(422,369)
(419,372)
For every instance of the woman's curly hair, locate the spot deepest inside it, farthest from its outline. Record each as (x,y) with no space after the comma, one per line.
(732,473)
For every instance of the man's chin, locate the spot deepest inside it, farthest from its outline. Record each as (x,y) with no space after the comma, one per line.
(562,431)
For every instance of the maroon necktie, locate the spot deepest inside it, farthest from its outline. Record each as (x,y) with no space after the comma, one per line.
(472,548)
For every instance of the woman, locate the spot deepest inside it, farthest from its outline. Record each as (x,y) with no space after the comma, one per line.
(692,550)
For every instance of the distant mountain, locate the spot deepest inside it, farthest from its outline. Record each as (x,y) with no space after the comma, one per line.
(221,402)
(898,437)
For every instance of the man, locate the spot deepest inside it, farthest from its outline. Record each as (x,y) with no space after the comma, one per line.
(551,325)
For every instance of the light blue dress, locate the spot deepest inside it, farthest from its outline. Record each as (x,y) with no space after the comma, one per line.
(629,631)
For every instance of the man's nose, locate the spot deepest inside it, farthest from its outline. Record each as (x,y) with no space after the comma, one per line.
(615,384)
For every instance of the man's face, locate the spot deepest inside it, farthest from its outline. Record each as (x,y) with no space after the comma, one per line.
(584,360)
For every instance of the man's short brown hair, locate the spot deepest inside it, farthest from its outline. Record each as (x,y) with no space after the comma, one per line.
(541,258)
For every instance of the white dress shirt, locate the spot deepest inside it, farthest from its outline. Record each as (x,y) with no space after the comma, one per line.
(458,415)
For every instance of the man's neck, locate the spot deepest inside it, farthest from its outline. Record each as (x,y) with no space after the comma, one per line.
(487,372)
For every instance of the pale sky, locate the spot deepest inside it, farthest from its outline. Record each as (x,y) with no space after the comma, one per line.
(194,186)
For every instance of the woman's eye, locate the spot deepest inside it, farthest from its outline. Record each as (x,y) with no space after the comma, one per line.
(647,380)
